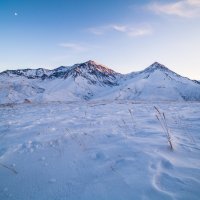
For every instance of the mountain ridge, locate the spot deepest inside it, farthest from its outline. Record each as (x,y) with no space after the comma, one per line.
(153,67)
(90,80)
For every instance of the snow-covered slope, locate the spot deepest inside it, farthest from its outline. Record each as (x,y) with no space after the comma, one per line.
(157,82)
(81,81)
(90,80)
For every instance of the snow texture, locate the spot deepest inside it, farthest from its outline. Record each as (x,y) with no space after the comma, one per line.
(99,150)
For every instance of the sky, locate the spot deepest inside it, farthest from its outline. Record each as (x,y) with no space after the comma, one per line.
(125,35)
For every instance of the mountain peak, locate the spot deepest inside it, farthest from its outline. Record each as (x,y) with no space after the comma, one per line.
(91,62)
(94,73)
(156,66)
(92,66)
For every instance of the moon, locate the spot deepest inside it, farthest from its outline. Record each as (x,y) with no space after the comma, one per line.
(15,14)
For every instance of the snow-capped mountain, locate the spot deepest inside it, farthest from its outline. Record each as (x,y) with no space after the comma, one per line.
(81,81)
(93,72)
(90,80)
(157,82)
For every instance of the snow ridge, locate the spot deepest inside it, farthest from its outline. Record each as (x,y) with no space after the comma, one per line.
(91,80)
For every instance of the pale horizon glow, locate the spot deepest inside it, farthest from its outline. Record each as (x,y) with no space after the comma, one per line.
(124,35)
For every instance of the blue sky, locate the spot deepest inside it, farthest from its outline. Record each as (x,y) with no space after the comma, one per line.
(126,35)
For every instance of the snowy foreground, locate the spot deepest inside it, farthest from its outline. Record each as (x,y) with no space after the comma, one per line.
(99,151)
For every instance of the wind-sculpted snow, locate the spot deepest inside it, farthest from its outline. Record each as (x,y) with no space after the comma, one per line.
(99,150)
(90,80)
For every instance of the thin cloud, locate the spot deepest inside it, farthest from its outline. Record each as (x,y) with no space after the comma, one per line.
(97,30)
(73,46)
(183,8)
(101,30)
(136,32)
(132,31)
(119,28)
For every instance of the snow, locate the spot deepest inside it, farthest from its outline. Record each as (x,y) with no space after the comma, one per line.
(91,81)
(109,149)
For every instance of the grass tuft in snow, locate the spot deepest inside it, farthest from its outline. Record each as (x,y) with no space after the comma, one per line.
(163,122)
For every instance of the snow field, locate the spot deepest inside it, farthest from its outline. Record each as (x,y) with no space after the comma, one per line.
(99,150)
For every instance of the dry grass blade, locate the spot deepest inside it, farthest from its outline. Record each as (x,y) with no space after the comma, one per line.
(132,118)
(157,110)
(131,115)
(163,122)
(9,168)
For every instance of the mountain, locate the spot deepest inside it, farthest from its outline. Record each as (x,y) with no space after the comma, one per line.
(93,72)
(90,80)
(80,81)
(157,82)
